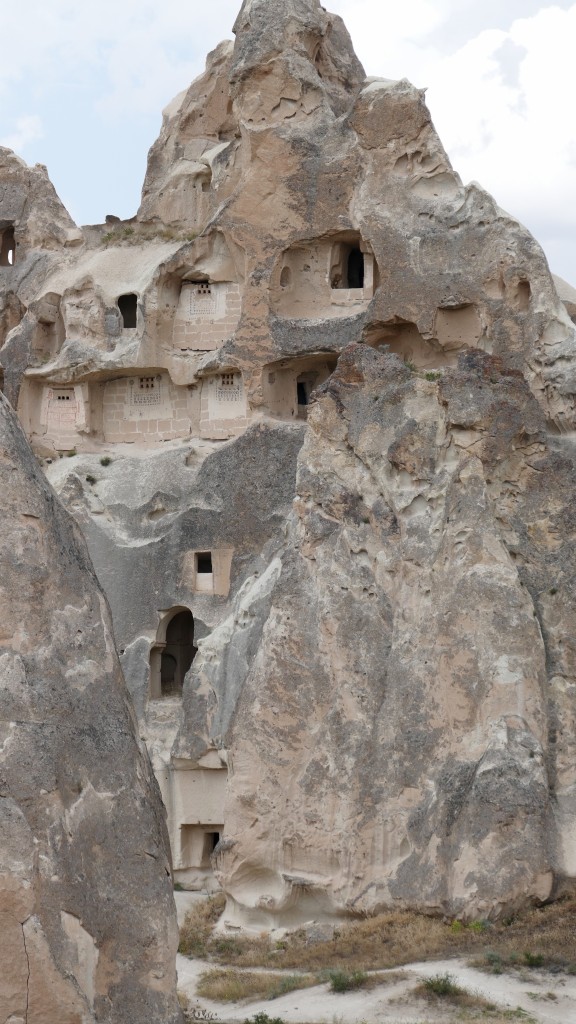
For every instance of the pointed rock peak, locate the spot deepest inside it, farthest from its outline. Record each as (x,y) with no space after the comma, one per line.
(312,46)
(268,13)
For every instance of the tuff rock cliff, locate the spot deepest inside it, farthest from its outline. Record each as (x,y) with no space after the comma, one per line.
(318,398)
(87,924)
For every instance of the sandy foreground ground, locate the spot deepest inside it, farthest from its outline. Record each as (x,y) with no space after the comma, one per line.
(547,998)
(533,992)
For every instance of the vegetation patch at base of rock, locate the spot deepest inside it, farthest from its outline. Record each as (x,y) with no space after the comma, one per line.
(232,986)
(542,938)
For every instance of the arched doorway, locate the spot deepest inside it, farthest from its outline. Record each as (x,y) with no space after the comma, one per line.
(172,654)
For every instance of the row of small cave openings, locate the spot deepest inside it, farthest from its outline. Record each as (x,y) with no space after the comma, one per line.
(68,412)
(347,272)
(286,386)
(346,269)
(171,657)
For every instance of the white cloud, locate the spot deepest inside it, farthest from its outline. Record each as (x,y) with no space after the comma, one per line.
(27,129)
(518,140)
(501,100)
(131,55)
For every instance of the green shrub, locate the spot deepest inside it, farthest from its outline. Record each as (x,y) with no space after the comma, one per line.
(105,460)
(226,945)
(533,959)
(263,1018)
(90,479)
(442,985)
(342,981)
(494,960)
(478,926)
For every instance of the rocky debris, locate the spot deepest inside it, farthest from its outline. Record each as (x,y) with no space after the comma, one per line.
(365,699)
(87,920)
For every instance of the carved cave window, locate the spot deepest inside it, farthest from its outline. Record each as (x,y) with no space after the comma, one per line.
(355,268)
(7,247)
(148,391)
(347,267)
(203,299)
(128,306)
(204,562)
(211,840)
(170,660)
(227,390)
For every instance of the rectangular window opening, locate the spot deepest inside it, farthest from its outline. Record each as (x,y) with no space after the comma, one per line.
(7,247)
(204,562)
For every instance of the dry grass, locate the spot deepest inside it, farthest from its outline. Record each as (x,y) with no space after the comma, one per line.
(441,989)
(230,986)
(544,937)
(456,1014)
(195,933)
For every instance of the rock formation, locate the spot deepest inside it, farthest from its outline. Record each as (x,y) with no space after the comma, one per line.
(318,398)
(87,928)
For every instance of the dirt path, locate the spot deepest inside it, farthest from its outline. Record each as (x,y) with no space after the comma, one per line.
(395,1002)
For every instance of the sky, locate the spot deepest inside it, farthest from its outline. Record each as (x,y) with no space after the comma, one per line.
(83,84)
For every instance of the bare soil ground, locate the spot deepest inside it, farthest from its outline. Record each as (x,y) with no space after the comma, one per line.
(538,997)
(523,969)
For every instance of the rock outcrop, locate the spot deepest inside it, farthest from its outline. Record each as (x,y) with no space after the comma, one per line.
(87,921)
(348,640)
(413,728)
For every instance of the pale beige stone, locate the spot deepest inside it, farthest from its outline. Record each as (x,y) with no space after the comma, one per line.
(345,380)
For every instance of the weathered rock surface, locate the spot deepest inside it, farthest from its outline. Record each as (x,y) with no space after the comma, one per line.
(87,922)
(407,726)
(353,666)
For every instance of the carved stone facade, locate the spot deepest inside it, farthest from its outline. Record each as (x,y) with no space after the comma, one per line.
(306,426)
